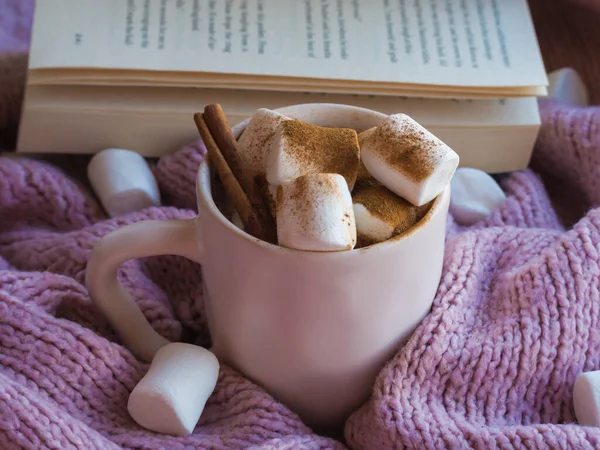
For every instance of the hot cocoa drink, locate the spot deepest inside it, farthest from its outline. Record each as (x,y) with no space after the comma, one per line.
(332,189)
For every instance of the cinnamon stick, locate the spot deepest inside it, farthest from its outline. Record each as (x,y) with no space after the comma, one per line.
(232,187)
(219,127)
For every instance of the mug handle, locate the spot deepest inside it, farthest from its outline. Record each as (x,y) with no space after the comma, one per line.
(138,240)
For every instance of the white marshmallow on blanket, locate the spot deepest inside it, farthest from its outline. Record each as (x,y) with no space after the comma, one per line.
(566,86)
(122,181)
(314,213)
(408,159)
(475,195)
(380,214)
(172,395)
(300,148)
(586,398)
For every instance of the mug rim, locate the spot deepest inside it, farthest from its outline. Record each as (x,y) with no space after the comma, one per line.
(207,202)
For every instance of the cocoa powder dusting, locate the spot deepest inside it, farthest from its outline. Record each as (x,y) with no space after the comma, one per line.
(408,147)
(363,173)
(363,241)
(325,183)
(362,137)
(264,135)
(324,150)
(386,206)
(303,195)
(298,195)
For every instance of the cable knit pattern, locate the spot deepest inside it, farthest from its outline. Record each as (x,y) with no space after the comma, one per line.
(515,320)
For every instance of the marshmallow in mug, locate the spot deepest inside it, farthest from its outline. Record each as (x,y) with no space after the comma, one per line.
(300,148)
(408,159)
(254,144)
(256,140)
(380,214)
(314,213)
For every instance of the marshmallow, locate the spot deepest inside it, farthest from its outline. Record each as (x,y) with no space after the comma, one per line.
(586,398)
(257,139)
(303,149)
(255,143)
(380,214)
(409,160)
(566,86)
(314,212)
(475,195)
(122,181)
(171,396)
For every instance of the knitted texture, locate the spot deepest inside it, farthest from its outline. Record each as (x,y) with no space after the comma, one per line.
(515,319)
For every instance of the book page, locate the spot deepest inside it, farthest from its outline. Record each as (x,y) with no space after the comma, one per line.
(439,42)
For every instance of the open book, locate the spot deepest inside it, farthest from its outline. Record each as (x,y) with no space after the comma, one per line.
(128,73)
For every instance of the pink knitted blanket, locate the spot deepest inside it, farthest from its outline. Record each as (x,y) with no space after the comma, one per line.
(516,317)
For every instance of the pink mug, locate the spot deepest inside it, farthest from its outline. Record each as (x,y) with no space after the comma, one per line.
(312,328)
